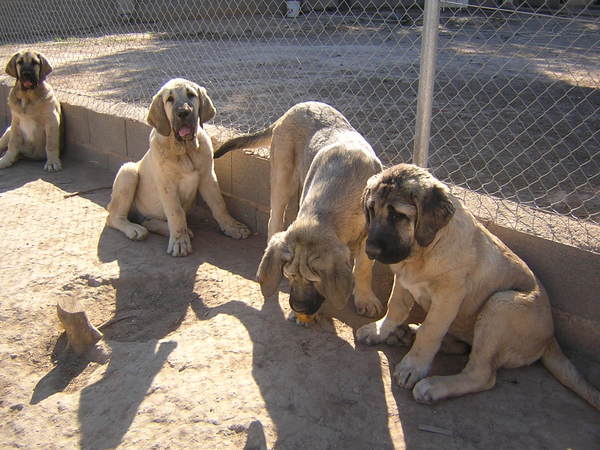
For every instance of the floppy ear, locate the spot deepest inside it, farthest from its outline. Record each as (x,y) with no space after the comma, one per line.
(336,279)
(434,211)
(157,117)
(207,109)
(11,66)
(45,68)
(270,269)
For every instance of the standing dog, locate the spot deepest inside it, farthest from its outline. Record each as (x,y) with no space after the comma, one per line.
(470,284)
(34,131)
(315,148)
(155,193)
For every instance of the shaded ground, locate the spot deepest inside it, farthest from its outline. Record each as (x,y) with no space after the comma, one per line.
(199,359)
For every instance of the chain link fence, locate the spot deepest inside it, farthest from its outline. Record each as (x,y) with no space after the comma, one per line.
(515,124)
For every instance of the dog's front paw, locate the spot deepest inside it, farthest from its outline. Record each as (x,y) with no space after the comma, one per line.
(136,232)
(236,230)
(382,331)
(430,390)
(53,166)
(180,244)
(410,371)
(367,304)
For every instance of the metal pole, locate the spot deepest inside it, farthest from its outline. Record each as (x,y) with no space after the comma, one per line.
(429,39)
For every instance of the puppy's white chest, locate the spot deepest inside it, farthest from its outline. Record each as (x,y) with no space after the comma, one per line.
(28,128)
(418,289)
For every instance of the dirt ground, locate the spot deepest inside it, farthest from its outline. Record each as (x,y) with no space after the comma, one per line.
(198,359)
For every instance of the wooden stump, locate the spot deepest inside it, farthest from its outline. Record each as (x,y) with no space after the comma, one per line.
(81,334)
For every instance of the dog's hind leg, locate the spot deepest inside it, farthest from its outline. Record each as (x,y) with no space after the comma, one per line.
(503,337)
(121,200)
(4,139)
(283,183)
(11,155)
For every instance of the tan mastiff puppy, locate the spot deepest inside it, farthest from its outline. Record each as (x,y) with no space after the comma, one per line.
(470,284)
(155,193)
(34,131)
(314,148)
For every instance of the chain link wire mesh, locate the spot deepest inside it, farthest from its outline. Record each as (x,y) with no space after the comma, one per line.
(516,107)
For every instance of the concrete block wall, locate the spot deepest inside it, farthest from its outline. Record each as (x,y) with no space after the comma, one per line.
(570,275)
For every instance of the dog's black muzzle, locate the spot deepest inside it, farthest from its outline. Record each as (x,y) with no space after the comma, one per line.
(304,298)
(184,123)
(28,79)
(386,249)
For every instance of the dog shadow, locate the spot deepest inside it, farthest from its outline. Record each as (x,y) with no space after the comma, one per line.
(153,294)
(319,392)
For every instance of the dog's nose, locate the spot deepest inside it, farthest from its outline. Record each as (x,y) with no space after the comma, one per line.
(183,113)
(373,251)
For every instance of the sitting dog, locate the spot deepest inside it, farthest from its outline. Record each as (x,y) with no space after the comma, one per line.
(469,283)
(314,148)
(34,131)
(155,193)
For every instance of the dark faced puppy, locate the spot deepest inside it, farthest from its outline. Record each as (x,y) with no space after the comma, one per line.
(178,108)
(404,207)
(29,68)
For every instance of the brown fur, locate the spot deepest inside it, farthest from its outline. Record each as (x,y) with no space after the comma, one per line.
(471,285)
(158,190)
(34,131)
(316,150)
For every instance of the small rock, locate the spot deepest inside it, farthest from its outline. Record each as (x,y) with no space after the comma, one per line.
(237,427)
(17,407)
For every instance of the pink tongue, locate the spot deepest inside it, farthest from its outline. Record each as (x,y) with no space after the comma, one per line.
(185,131)
(27,84)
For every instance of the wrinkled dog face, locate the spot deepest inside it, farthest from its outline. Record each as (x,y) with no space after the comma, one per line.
(29,68)
(405,207)
(178,107)
(316,270)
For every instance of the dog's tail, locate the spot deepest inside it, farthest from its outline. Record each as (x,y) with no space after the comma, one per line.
(557,363)
(4,139)
(261,138)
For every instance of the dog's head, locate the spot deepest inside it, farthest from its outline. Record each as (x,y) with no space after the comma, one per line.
(405,206)
(179,107)
(29,68)
(317,268)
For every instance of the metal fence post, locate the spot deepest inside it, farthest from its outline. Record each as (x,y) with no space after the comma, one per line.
(429,39)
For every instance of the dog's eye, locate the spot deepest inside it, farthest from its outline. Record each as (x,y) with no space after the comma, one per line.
(170,99)
(395,215)
(191,95)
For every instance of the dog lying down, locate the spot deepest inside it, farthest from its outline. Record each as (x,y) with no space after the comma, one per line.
(470,284)
(314,148)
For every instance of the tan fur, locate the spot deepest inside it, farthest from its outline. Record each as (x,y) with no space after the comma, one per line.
(314,148)
(158,190)
(34,131)
(470,284)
